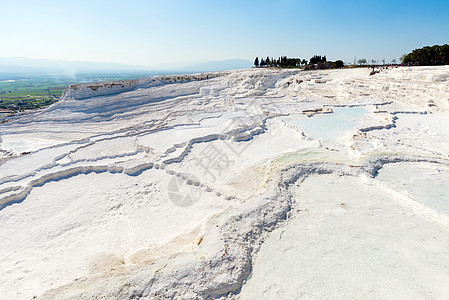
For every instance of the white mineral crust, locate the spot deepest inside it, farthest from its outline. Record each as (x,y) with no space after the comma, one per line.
(248,184)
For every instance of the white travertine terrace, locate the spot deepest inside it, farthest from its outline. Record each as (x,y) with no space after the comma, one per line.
(249,184)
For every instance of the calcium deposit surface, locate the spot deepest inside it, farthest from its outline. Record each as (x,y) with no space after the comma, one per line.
(246,184)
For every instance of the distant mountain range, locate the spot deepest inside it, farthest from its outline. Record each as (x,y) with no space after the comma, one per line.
(22,65)
(218,65)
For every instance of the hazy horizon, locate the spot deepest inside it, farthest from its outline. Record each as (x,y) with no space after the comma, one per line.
(23,65)
(154,34)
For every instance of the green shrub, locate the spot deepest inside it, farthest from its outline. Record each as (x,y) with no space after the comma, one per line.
(339,64)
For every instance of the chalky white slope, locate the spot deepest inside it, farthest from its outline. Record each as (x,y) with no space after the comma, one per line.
(246,184)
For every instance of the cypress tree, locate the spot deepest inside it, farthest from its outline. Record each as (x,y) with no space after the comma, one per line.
(256,62)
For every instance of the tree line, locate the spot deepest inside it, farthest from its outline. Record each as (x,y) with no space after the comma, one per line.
(316,62)
(428,56)
(282,62)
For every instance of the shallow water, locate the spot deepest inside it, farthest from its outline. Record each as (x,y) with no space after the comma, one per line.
(346,234)
(425,183)
(332,126)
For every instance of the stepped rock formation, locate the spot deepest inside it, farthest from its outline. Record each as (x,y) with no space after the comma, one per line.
(248,184)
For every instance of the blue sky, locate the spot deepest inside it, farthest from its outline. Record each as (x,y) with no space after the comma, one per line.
(159,32)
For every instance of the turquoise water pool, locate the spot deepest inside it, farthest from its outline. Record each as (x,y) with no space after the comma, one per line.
(332,126)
